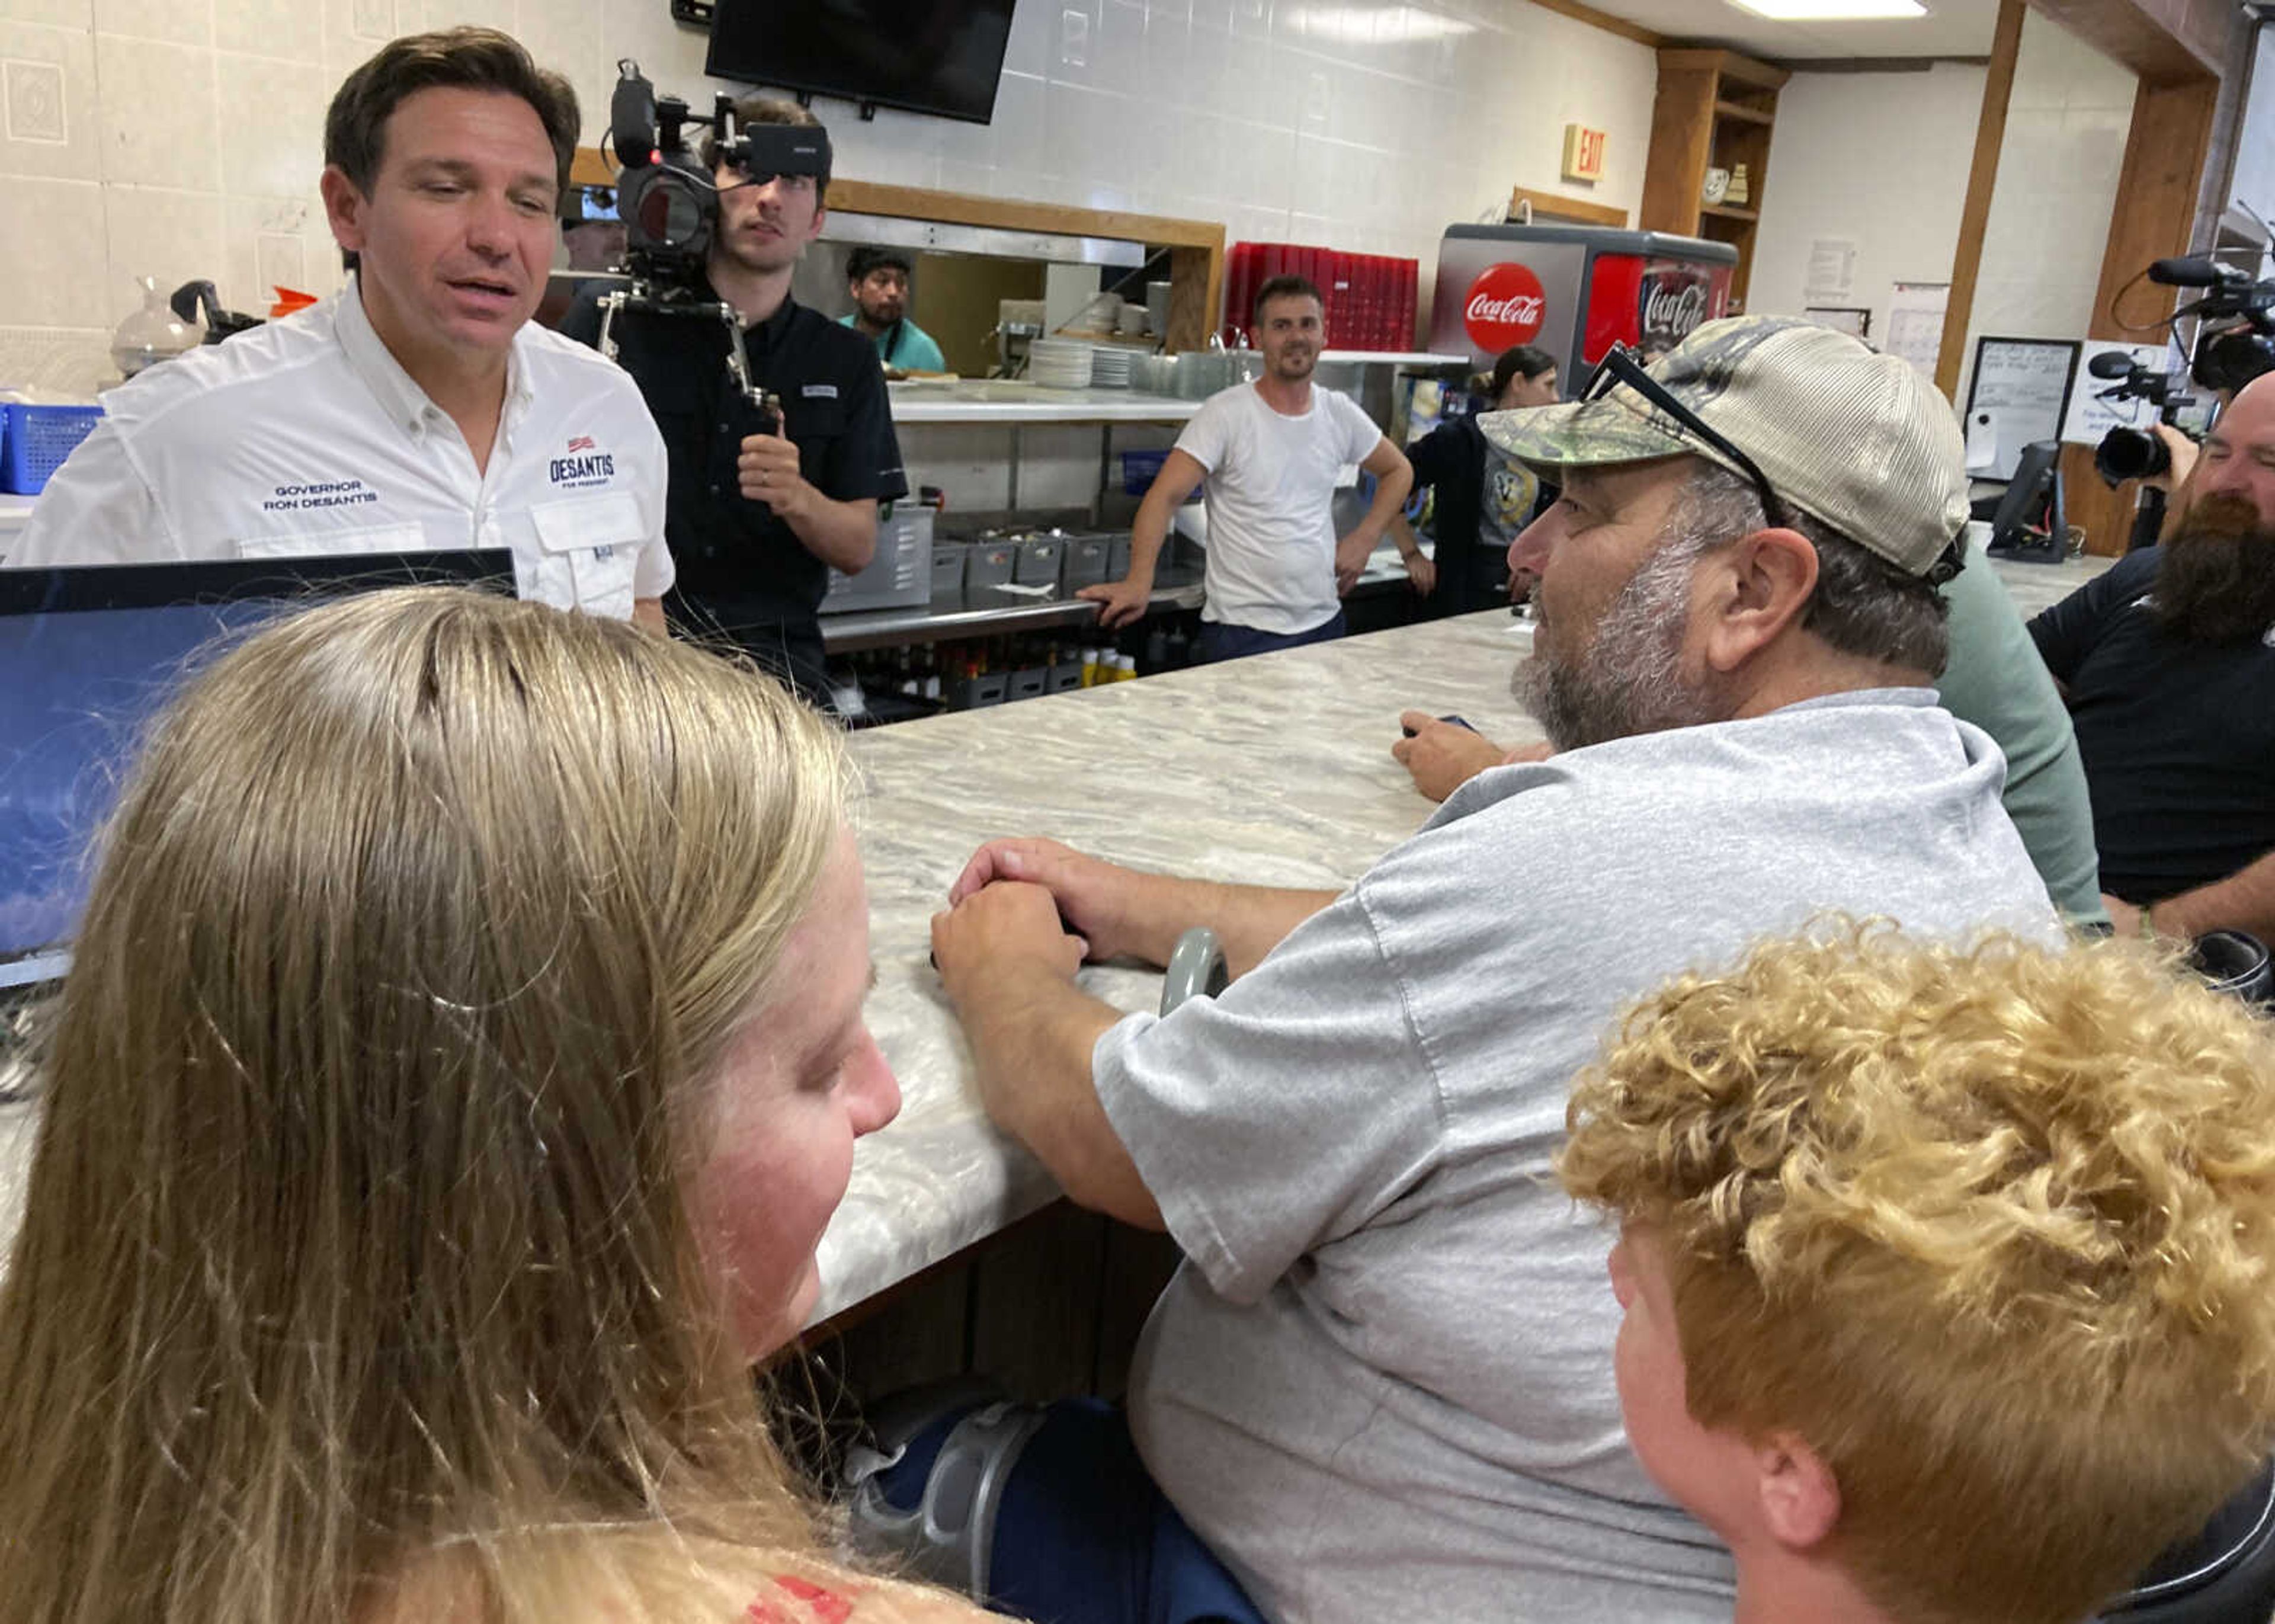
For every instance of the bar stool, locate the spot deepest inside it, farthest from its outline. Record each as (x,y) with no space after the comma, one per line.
(2224,1574)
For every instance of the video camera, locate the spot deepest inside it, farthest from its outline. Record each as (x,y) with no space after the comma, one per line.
(668,201)
(2130,453)
(2235,319)
(2235,343)
(666,194)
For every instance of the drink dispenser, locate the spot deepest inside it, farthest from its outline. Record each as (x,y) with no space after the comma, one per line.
(1574,291)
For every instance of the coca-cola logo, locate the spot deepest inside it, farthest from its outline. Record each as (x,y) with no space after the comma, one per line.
(1505,305)
(1673,302)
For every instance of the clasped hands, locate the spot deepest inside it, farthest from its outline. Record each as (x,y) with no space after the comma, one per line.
(1025,907)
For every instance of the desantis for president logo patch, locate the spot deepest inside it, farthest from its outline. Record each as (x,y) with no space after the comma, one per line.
(583,467)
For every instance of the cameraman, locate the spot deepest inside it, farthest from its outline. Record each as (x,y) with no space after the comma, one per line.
(756,519)
(2168,662)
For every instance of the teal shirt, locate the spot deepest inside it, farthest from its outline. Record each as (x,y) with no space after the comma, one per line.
(913,350)
(1996,680)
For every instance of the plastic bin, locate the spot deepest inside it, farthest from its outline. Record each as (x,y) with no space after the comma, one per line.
(969,693)
(37,439)
(1087,558)
(1040,559)
(947,570)
(1139,470)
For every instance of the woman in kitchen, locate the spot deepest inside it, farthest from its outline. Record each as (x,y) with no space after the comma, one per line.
(462,1055)
(1484,498)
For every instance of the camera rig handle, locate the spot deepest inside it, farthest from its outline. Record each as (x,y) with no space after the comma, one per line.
(643,300)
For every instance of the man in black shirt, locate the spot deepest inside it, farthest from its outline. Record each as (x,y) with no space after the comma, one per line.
(2168,662)
(756,520)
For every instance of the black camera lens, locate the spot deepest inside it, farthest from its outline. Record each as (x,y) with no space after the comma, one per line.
(2130,454)
(2231,359)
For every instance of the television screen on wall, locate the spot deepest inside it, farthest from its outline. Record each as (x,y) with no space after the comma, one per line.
(941,56)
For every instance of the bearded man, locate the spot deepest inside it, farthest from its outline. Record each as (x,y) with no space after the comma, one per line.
(2168,663)
(1385,1371)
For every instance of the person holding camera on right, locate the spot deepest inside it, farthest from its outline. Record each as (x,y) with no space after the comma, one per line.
(2168,663)
(762,506)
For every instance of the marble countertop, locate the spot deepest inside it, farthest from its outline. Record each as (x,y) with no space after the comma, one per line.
(1274,770)
(1271,771)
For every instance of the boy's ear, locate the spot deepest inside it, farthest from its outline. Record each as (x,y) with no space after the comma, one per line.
(1800,1497)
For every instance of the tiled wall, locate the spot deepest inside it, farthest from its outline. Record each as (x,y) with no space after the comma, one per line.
(1880,160)
(2067,121)
(181,138)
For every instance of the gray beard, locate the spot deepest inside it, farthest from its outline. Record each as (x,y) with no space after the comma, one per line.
(1629,680)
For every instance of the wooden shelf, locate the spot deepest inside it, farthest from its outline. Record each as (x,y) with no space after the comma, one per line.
(1714,108)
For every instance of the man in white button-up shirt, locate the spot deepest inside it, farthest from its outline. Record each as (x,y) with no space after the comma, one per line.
(418,408)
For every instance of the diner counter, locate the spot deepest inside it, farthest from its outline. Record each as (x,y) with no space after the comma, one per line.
(1270,771)
(1274,770)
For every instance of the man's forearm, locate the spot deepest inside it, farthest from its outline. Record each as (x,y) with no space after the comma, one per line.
(1249,920)
(1031,1037)
(2245,901)
(842,534)
(1149,532)
(1390,492)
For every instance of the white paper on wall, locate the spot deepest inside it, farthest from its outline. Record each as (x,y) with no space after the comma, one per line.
(1832,275)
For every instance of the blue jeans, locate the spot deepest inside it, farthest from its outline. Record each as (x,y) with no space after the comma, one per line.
(1221,639)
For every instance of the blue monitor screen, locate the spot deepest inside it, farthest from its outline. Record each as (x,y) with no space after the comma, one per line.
(81,688)
(87,657)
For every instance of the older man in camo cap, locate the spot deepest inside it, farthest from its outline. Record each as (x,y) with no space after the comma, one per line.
(1384,1378)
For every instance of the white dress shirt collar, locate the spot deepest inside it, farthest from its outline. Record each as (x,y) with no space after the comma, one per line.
(397,392)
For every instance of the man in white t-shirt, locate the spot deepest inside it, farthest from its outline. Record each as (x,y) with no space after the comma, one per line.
(419,408)
(1272,453)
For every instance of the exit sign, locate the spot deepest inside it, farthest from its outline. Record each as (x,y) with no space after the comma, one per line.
(1584,153)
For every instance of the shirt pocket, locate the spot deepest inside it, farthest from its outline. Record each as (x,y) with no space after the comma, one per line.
(355,540)
(588,554)
(816,425)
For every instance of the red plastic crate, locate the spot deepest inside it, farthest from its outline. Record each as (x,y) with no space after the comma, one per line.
(1370,296)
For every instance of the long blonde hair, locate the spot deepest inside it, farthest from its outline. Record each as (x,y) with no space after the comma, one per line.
(355,1228)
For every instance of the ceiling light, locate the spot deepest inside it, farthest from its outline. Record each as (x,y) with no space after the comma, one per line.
(1354,25)
(1830,10)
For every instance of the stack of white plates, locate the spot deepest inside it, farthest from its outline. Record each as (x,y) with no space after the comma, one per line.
(1109,367)
(1059,364)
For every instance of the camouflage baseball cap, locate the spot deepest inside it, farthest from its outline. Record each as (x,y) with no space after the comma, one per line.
(1857,441)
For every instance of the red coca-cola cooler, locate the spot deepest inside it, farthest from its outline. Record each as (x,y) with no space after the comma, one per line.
(1574,291)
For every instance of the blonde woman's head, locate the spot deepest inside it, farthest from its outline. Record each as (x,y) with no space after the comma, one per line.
(1983,1239)
(461,1055)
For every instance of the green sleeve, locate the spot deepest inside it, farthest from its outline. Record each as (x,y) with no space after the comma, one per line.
(920,352)
(1996,680)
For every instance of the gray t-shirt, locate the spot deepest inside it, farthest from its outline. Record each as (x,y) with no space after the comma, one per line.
(1383,1382)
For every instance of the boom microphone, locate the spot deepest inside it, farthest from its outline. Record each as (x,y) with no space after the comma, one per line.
(2111,364)
(2193,270)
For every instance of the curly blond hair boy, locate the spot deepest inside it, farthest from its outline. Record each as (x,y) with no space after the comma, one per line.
(1949,1274)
